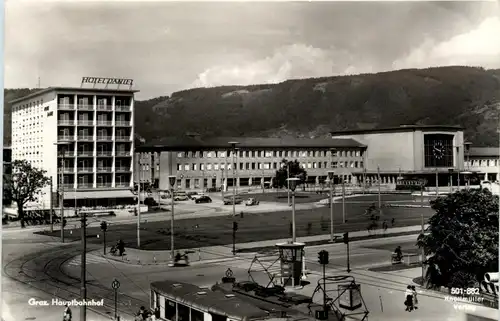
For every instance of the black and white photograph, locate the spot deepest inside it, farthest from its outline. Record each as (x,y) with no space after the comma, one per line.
(250,160)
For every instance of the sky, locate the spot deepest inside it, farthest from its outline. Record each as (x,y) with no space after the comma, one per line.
(171,46)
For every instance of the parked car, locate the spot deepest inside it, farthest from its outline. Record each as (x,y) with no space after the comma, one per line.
(192,195)
(251,202)
(229,200)
(181,197)
(203,199)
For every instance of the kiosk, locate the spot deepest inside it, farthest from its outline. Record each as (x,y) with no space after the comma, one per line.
(291,257)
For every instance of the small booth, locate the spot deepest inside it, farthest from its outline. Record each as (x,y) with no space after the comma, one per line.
(291,257)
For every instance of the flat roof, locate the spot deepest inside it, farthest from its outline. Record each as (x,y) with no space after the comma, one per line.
(187,142)
(81,89)
(213,301)
(402,128)
(484,151)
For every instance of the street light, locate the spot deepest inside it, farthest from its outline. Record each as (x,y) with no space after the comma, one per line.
(292,183)
(60,185)
(450,172)
(172,180)
(330,181)
(233,165)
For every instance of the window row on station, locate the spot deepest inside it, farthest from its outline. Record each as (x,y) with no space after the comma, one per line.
(265,165)
(270,153)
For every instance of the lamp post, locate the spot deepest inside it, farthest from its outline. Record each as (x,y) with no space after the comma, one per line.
(222,183)
(379,195)
(292,182)
(330,181)
(450,172)
(83,270)
(139,174)
(171,180)
(288,176)
(233,150)
(60,186)
(467,152)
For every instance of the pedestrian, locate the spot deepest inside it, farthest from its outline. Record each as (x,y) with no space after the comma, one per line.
(67,315)
(393,221)
(409,299)
(415,299)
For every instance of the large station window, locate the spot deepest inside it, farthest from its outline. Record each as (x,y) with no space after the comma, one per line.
(170,310)
(182,312)
(196,315)
(438,150)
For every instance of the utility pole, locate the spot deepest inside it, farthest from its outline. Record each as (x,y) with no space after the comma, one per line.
(437,183)
(343,201)
(139,205)
(83,308)
(331,174)
(288,182)
(61,189)
(51,206)
(379,196)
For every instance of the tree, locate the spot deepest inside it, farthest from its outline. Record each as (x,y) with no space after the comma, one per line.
(462,238)
(25,185)
(7,192)
(295,171)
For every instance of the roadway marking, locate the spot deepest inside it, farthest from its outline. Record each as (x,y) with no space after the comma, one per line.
(90,259)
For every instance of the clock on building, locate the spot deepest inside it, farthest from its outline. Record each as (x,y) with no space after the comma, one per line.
(438,150)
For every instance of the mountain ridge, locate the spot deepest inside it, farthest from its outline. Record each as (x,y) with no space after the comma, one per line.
(456,95)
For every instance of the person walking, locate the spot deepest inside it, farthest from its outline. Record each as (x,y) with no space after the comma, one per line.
(415,299)
(409,299)
(67,315)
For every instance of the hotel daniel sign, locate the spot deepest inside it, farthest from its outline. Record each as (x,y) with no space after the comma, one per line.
(107,81)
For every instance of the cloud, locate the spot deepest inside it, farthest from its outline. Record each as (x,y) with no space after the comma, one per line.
(478,47)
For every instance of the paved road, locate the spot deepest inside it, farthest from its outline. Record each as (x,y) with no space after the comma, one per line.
(217,230)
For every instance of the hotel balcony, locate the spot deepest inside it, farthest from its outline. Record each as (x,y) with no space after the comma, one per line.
(66,122)
(104,123)
(85,122)
(122,153)
(66,154)
(69,169)
(122,123)
(85,138)
(66,106)
(122,138)
(104,170)
(122,169)
(85,170)
(122,108)
(69,186)
(67,138)
(85,107)
(88,153)
(85,185)
(122,184)
(103,185)
(104,138)
(105,107)
(106,153)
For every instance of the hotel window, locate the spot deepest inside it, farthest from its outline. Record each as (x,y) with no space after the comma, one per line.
(351,164)
(222,166)
(326,164)
(247,153)
(266,165)
(275,165)
(241,166)
(253,153)
(351,153)
(222,154)
(201,154)
(247,165)
(193,167)
(304,154)
(358,153)
(202,167)
(253,165)
(280,153)
(242,154)
(315,165)
(319,164)
(259,153)
(341,164)
(269,154)
(309,165)
(186,154)
(356,164)
(335,165)
(209,167)
(186,167)
(229,167)
(216,167)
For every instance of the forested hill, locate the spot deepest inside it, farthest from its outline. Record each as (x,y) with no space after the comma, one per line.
(464,96)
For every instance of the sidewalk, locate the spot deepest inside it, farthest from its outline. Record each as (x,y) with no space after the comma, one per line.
(204,255)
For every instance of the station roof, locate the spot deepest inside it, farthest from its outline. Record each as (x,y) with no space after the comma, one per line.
(190,142)
(484,151)
(402,128)
(216,302)
(76,89)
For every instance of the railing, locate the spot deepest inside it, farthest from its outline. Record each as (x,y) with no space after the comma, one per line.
(85,185)
(104,169)
(101,185)
(66,138)
(66,154)
(122,169)
(85,169)
(85,122)
(65,122)
(122,153)
(122,108)
(85,153)
(122,138)
(66,106)
(104,123)
(104,153)
(122,123)
(104,107)
(85,107)
(122,184)
(68,186)
(104,138)
(85,137)
(69,169)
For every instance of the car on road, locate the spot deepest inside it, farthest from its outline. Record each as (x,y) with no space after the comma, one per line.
(229,200)
(203,199)
(251,201)
(180,196)
(194,195)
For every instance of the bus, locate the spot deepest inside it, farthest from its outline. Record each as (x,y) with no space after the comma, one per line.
(179,301)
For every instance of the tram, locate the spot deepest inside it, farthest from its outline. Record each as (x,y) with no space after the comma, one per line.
(179,301)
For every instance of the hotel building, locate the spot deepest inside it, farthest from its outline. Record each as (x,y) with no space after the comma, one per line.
(82,137)
(410,151)
(485,162)
(200,163)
